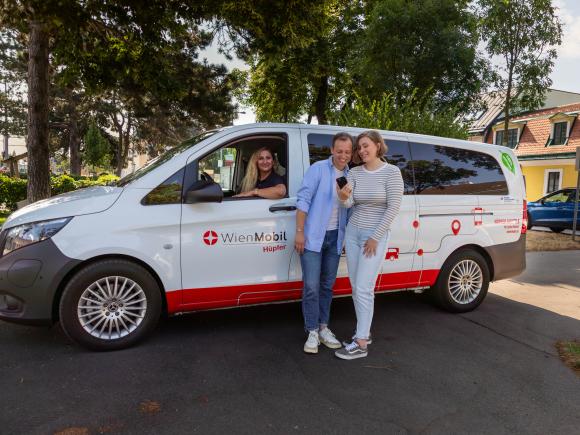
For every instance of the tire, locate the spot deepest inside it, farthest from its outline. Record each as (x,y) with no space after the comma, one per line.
(530,223)
(456,296)
(556,230)
(120,305)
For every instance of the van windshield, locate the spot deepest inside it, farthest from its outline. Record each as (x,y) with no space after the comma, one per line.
(159,160)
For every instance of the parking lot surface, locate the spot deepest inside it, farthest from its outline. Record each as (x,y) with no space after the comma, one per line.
(494,370)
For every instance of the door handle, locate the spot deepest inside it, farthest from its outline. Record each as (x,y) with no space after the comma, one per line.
(275,208)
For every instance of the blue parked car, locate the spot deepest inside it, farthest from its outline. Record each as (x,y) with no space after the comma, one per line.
(555,211)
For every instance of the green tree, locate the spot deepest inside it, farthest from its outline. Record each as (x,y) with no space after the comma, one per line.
(299,72)
(425,46)
(522,34)
(12,83)
(110,45)
(96,150)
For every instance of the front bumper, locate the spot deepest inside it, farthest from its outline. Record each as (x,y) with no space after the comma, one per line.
(29,280)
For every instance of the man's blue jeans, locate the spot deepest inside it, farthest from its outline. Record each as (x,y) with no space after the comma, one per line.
(319,273)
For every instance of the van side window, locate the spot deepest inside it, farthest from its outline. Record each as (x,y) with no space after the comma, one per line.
(228,165)
(319,146)
(441,170)
(398,154)
(168,192)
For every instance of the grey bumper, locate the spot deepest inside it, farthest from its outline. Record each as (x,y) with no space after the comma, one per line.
(508,259)
(29,280)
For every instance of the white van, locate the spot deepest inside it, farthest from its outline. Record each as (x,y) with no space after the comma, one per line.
(170,238)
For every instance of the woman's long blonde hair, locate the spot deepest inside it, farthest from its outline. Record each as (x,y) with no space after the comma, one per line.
(252,173)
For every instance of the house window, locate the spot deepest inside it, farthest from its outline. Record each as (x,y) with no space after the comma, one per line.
(512,137)
(552,180)
(560,133)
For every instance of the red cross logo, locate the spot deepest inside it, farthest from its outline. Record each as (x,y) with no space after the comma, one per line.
(210,237)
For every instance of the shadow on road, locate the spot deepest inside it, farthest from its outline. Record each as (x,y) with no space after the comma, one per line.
(494,370)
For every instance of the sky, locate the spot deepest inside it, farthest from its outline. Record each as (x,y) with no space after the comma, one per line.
(565,75)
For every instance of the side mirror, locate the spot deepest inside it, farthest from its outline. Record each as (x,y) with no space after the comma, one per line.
(204,191)
(542,201)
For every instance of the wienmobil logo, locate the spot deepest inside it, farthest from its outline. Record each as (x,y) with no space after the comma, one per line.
(210,238)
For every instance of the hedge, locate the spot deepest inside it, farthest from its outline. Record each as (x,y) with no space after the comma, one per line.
(13,190)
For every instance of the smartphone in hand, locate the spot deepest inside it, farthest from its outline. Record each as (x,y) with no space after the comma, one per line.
(341,181)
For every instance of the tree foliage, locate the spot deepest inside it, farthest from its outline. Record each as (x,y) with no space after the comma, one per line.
(12,84)
(424,45)
(143,52)
(523,34)
(417,114)
(96,151)
(366,48)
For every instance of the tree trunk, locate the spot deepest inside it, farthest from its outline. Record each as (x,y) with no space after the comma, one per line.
(74,143)
(38,151)
(5,152)
(320,104)
(508,100)
(119,153)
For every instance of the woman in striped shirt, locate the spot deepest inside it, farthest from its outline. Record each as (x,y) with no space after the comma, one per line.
(374,191)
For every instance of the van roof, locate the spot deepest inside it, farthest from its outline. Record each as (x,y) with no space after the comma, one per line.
(437,140)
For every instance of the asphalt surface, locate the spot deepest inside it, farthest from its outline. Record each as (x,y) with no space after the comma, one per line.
(492,371)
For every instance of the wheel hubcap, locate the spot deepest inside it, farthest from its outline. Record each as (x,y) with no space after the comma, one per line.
(112,307)
(465,281)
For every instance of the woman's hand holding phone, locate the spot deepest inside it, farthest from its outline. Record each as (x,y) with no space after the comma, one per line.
(344,192)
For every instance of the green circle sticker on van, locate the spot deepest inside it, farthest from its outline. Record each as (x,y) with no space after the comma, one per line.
(506,159)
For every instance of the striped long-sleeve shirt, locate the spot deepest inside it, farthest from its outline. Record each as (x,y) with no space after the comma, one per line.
(376,197)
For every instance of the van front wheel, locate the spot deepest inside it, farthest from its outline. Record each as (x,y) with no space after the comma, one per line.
(463,282)
(109,305)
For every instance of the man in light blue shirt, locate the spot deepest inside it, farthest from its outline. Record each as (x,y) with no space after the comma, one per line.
(320,228)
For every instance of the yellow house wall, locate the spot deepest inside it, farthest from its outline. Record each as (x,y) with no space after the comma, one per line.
(535,179)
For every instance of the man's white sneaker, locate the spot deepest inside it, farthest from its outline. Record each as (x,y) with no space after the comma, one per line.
(311,345)
(328,339)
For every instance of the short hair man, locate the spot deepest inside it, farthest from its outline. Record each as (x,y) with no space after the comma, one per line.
(320,228)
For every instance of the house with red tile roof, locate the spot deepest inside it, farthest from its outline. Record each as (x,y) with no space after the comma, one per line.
(545,143)
(544,140)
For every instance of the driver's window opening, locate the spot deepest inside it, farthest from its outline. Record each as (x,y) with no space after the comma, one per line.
(229,167)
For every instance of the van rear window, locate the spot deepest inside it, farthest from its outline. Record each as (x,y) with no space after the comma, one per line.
(441,170)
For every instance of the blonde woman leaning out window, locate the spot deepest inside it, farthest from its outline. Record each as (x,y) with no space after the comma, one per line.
(261,179)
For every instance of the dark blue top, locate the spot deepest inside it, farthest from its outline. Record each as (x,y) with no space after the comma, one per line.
(270,181)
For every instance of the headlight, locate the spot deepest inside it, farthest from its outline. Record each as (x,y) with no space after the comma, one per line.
(27,234)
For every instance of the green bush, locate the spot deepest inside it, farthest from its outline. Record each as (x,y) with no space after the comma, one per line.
(106,179)
(62,184)
(13,190)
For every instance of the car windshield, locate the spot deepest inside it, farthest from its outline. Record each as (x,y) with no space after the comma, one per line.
(159,160)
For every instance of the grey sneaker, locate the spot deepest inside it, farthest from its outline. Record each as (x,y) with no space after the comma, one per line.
(351,351)
(328,339)
(311,345)
(346,342)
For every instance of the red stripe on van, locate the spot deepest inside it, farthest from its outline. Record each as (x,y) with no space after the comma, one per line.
(223,297)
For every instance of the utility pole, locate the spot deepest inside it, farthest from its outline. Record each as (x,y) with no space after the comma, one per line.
(575,220)
(5,133)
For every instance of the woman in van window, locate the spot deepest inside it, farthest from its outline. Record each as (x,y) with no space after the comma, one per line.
(374,191)
(261,179)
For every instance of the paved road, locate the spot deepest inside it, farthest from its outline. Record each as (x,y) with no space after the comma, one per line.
(491,371)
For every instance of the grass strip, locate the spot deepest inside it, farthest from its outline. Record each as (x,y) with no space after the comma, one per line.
(569,352)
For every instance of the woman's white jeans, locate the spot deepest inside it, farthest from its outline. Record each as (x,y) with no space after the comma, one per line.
(363,272)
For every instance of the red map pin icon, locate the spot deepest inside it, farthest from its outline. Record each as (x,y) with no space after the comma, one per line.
(455,227)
